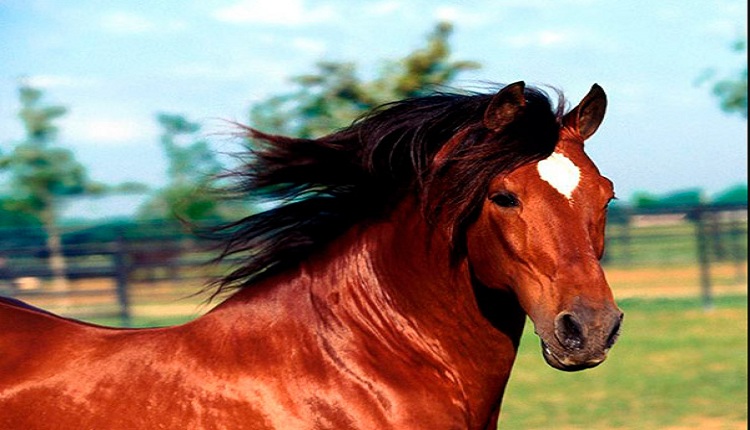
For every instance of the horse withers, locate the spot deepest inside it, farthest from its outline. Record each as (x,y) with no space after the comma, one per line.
(387,288)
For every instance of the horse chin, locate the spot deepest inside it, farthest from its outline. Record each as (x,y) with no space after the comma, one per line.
(566,364)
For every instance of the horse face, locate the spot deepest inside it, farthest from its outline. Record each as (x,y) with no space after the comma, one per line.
(540,234)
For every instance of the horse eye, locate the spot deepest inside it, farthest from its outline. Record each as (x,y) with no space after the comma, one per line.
(505,200)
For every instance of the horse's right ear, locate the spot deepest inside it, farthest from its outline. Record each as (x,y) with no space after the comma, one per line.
(505,106)
(589,114)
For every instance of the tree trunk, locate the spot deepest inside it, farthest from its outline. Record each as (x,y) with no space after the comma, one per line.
(56,256)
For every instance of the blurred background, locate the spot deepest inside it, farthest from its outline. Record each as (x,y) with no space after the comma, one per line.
(114,115)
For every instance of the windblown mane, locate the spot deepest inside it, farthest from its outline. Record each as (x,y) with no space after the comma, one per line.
(325,186)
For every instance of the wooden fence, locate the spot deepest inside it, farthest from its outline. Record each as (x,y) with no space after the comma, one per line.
(703,235)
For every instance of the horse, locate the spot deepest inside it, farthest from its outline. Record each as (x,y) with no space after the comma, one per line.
(386,288)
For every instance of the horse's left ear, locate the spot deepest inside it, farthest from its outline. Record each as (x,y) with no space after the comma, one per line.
(505,106)
(588,115)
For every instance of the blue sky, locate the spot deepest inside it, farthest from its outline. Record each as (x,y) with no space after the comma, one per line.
(115,64)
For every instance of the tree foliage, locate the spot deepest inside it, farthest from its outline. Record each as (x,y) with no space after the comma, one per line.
(732,90)
(9,217)
(675,199)
(335,95)
(736,194)
(40,173)
(192,165)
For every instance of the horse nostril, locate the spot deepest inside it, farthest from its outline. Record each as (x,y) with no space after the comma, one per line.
(569,331)
(615,332)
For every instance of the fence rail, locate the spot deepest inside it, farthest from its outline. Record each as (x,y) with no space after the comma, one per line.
(702,235)
(110,266)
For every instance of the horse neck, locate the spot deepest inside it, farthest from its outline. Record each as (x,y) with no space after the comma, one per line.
(394,279)
(388,286)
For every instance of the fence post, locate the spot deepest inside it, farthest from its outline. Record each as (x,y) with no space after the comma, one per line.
(704,261)
(121,279)
(626,240)
(738,257)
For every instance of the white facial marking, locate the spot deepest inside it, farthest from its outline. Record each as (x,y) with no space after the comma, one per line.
(561,173)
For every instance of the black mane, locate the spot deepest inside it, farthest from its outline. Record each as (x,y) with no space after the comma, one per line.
(325,186)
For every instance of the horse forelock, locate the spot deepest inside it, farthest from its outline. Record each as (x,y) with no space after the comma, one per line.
(434,146)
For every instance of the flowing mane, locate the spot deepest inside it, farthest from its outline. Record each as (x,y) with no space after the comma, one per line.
(326,185)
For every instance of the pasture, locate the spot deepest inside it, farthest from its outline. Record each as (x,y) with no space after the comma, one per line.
(675,366)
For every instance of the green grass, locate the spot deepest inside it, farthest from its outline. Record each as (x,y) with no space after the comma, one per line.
(674,365)
(140,322)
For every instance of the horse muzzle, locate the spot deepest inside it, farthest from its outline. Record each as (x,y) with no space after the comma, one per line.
(576,345)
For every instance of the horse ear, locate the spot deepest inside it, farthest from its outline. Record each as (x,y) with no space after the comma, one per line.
(588,115)
(505,106)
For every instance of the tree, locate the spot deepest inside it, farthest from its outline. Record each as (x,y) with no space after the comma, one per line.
(192,167)
(334,95)
(11,218)
(674,199)
(732,90)
(41,176)
(736,194)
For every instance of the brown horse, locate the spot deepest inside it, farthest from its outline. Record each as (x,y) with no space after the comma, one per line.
(387,289)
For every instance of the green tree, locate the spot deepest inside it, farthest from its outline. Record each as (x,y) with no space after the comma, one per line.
(736,194)
(674,199)
(192,166)
(334,95)
(12,218)
(732,90)
(42,176)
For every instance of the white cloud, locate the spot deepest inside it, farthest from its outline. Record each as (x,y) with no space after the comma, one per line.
(461,16)
(121,22)
(278,12)
(543,39)
(126,23)
(108,131)
(382,8)
(61,81)
(310,46)
(205,71)
(729,29)
(239,70)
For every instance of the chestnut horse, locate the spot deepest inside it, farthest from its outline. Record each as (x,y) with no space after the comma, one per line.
(388,289)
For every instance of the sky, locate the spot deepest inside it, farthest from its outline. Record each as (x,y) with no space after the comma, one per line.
(116,64)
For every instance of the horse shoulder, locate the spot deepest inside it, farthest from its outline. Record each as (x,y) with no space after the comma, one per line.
(342,378)
(30,336)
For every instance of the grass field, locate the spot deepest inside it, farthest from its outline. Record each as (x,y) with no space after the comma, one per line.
(675,366)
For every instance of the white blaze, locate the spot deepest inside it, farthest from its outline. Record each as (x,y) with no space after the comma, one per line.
(561,173)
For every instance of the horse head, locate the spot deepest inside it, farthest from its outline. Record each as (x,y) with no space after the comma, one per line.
(540,235)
